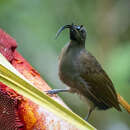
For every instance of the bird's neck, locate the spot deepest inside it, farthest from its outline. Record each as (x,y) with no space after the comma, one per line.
(72,49)
(74,45)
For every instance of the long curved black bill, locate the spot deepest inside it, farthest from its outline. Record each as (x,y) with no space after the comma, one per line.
(61,29)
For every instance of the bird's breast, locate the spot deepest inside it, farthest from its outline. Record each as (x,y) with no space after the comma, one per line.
(68,68)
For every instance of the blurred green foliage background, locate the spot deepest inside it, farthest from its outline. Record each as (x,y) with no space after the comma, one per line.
(34,23)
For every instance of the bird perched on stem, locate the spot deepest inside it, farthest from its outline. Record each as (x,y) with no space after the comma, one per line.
(83,75)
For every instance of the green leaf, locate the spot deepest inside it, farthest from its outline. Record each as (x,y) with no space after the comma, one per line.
(13,79)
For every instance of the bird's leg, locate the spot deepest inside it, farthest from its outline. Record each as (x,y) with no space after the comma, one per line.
(55,91)
(88,115)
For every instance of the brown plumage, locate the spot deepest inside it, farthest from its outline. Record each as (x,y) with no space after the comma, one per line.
(83,74)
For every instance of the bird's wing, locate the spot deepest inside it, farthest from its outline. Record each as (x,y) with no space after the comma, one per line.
(101,87)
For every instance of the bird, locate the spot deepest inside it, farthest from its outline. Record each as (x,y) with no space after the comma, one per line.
(83,74)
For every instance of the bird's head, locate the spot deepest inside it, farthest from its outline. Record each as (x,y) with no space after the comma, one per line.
(77,33)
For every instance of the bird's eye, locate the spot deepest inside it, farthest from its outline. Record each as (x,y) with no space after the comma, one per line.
(78,27)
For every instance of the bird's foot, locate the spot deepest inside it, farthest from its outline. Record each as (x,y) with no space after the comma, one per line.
(53,91)
(88,115)
(86,118)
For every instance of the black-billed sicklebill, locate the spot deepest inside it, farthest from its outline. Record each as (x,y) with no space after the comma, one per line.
(83,75)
